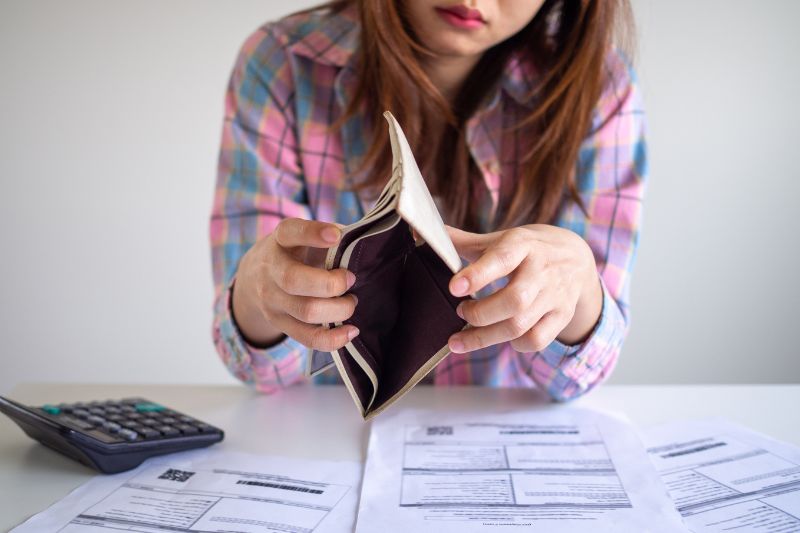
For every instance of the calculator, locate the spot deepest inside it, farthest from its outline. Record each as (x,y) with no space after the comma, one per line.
(111,436)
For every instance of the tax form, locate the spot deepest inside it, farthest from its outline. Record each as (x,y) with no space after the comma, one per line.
(211,491)
(555,470)
(723,477)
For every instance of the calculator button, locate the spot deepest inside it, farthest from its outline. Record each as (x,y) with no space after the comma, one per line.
(113,427)
(205,428)
(128,434)
(147,407)
(115,418)
(76,422)
(51,409)
(103,437)
(186,429)
(149,422)
(130,424)
(94,419)
(83,413)
(133,415)
(97,411)
(169,420)
(168,431)
(149,433)
(66,408)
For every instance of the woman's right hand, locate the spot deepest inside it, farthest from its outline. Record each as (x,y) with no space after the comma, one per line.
(280,290)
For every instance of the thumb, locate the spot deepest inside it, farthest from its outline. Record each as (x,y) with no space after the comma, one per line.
(469,245)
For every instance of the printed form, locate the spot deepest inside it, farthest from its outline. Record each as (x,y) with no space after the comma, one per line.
(723,477)
(212,491)
(558,470)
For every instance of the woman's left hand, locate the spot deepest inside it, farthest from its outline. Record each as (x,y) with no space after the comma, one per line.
(553,289)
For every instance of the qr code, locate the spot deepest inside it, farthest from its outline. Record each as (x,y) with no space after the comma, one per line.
(176,475)
(440,430)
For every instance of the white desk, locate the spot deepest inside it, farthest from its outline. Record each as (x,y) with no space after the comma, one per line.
(321,422)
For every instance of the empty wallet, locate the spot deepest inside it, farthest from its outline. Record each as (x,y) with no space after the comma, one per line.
(405,312)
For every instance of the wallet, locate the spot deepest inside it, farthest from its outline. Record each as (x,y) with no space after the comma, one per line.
(405,312)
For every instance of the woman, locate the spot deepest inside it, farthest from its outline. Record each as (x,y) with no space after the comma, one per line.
(528,128)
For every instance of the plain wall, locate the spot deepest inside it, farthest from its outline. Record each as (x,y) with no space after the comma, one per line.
(110,117)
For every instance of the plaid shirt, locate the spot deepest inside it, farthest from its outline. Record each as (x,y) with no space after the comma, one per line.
(278,159)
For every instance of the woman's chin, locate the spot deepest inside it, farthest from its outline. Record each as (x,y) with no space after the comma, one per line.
(449,44)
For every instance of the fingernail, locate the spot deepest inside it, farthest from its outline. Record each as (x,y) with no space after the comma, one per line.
(351,279)
(330,234)
(459,287)
(355,299)
(460,311)
(352,333)
(456,346)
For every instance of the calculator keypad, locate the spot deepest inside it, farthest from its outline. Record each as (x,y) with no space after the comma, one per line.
(131,419)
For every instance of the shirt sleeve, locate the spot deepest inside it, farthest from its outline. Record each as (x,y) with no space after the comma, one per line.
(610,177)
(259,183)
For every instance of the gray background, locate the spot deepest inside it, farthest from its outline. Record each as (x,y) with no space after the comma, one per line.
(110,118)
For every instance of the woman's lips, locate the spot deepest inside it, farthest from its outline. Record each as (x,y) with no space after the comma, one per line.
(461,17)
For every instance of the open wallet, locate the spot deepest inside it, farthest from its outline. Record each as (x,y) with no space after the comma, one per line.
(405,312)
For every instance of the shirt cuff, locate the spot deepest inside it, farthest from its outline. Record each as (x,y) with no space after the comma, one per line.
(266,369)
(570,371)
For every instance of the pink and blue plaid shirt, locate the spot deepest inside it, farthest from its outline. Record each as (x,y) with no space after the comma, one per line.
(278,159)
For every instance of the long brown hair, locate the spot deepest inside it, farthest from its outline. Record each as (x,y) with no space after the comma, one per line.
(567,42)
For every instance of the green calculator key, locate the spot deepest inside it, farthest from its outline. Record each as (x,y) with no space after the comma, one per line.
(148,407)
(51,409)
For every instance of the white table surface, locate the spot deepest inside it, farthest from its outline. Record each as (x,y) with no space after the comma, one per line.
(322,422)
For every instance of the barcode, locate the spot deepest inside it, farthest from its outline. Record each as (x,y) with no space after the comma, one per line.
(176,475)
(440,430)
(277,486)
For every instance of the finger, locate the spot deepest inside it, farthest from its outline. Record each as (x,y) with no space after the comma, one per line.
(472,339)
(514,299)
(320,310)
(469,245)
(296,278)
(292,232)
(315,337)
(499,260)
(541,334)
(314,257)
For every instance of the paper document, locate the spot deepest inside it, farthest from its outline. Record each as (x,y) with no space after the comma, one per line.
(212,491)
(723,477)
(558,470)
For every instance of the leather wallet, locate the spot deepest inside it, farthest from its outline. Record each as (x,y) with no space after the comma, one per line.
(405,312)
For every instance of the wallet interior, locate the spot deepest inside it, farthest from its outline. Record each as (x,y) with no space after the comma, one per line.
(405,312)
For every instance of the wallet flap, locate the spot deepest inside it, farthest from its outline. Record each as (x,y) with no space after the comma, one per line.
(416,205)
(318,362)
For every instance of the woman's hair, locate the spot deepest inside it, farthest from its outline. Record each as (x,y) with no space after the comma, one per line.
(567,42)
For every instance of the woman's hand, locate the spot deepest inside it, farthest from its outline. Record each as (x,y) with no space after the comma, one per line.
(553,290)
(278,291)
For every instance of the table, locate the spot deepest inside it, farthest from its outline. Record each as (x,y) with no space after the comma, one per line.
(322,422)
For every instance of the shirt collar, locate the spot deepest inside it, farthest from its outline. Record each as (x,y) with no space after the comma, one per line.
(328,39)
(519,79)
